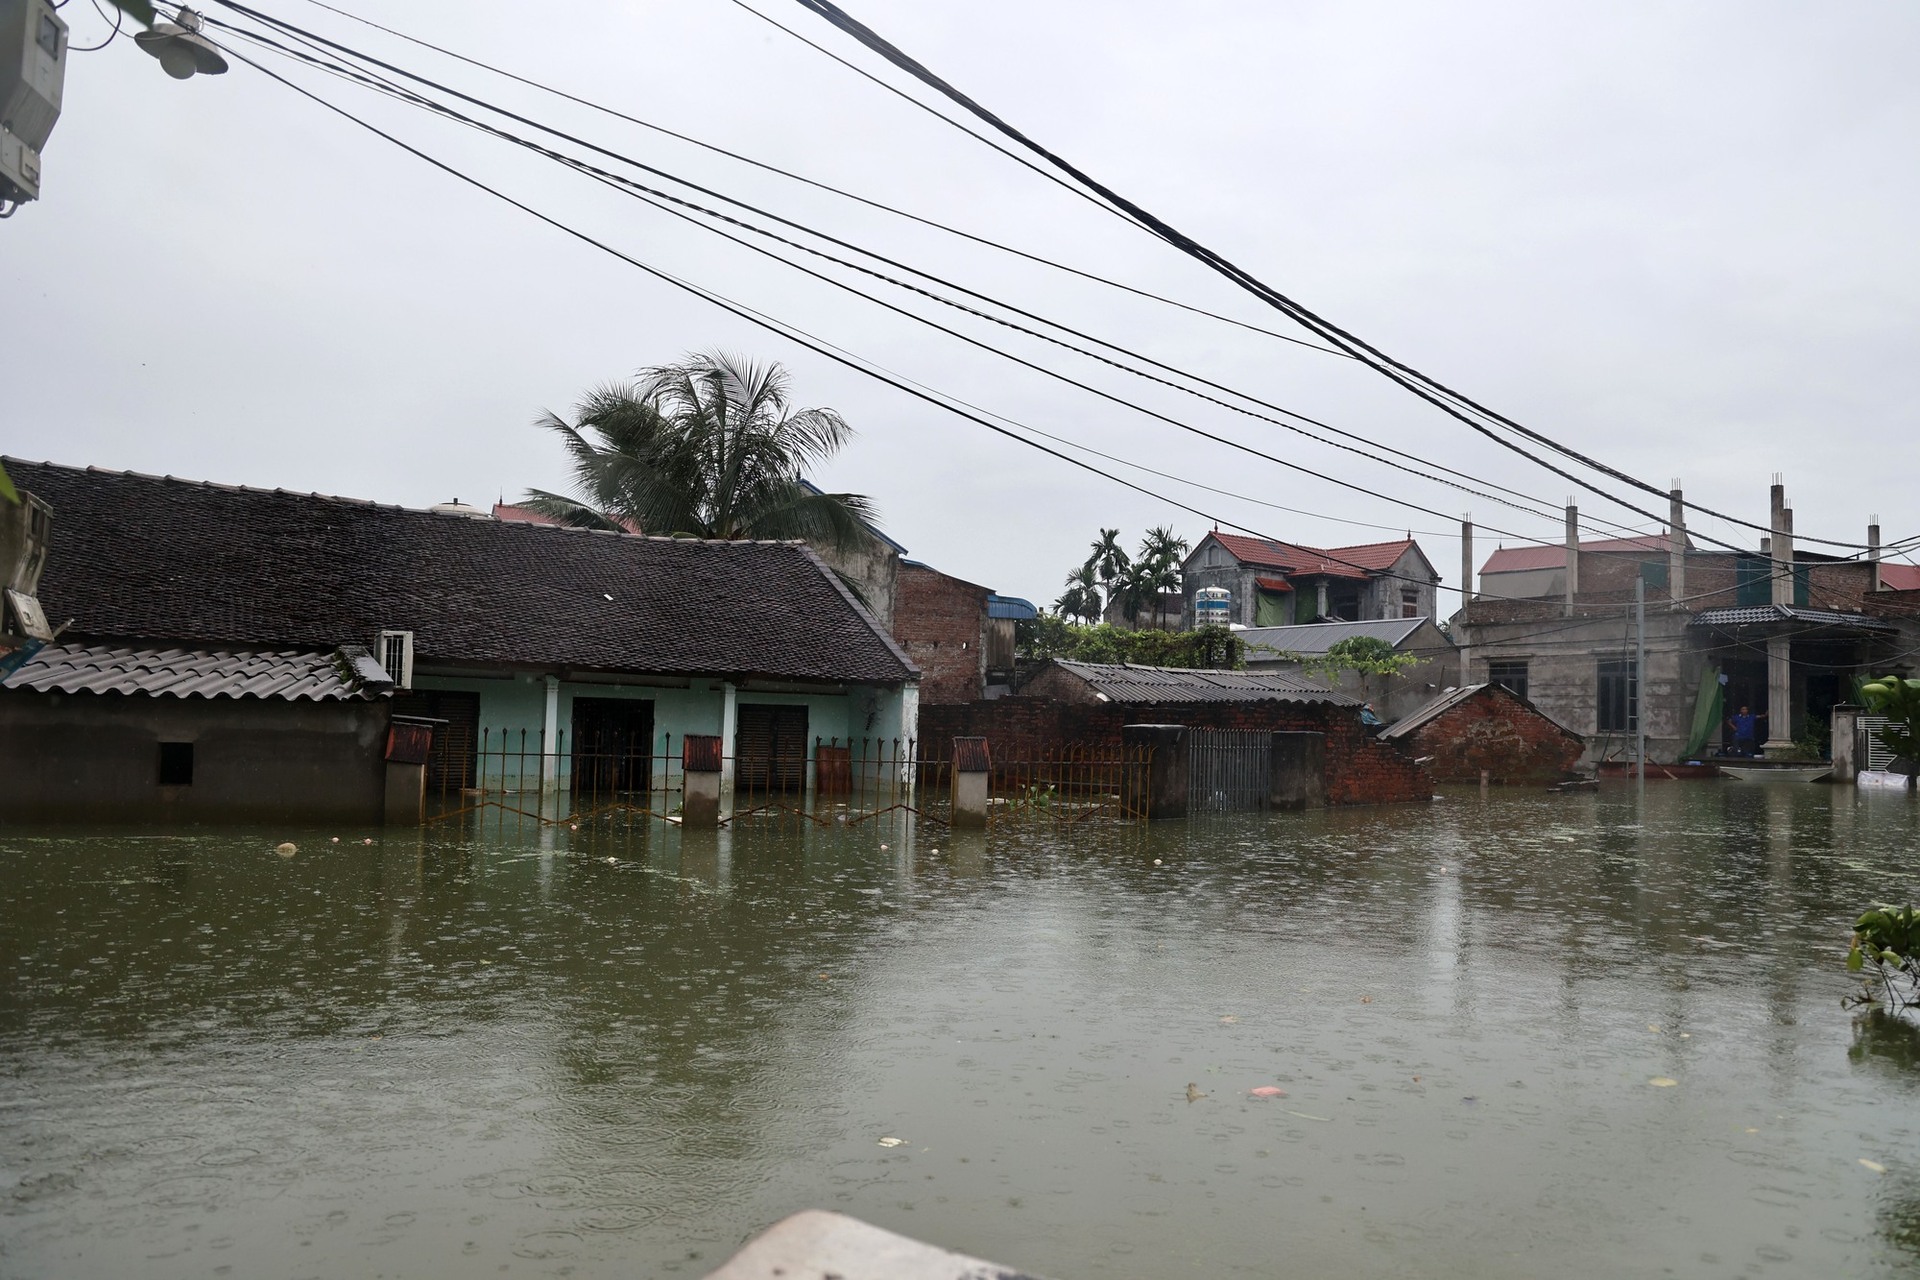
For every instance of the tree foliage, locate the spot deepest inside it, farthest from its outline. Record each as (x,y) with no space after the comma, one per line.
(1365,655)
(1886,945)
(1053,636)
(707,448)
(1899,701)
(1134,583)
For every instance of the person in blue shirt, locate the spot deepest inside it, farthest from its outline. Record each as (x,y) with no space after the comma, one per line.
(1746,727)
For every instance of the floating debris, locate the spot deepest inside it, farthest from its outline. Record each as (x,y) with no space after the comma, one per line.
(1873,1165)
(1663,1082)
(1194,1093)
(1268,1091)
(1229,1018)
(286,849)
(893,1142)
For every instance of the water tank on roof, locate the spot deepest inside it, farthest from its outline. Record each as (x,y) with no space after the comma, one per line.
(459,508)
(1212,607)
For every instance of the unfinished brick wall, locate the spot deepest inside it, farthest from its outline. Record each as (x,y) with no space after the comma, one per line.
(1360,769)
(1495,731)
(941,621)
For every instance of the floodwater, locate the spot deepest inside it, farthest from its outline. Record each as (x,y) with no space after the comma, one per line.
(622,1054)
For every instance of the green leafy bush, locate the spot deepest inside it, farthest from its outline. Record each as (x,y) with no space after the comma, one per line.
(1886,950)
(1051,636)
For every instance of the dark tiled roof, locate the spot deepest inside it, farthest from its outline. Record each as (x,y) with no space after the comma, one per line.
(1124,683)
(1763,613)
(210,565)
(339,675)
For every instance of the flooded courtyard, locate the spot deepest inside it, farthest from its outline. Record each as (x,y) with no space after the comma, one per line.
(1511,1036)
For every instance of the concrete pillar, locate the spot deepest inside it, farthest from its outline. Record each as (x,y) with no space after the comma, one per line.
(406,804)
(1873,553)
(1299,778)
(1320,600)
(1779,694)
(409,747)
(701,758)
(1163,789)
(1780,648)
(909,736)
(1466,598)
(1573,555)
(1846,744)
(1676,549)
(1780,546)
(972,771)
(729,726)
(550,739)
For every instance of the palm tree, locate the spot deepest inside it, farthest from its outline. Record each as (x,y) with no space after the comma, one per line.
(1082,597)
(1109,560)
(706,448)
(1158,569)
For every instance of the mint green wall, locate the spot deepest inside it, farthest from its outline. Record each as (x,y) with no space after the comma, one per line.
(510,705)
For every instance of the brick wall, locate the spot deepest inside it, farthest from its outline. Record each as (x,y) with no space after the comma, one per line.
(1495,731)
(1360,769)
(941,621)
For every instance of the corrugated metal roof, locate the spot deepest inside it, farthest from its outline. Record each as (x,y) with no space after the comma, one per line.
(1314,638)
(314,675)
(1123,683)
(999,606)
(1765,613)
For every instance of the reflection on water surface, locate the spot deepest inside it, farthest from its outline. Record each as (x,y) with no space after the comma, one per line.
(621,1055)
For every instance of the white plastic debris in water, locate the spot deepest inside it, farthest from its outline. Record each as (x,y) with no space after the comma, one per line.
(1663,1082)
(893,1142)
(287,849)
(1873,1165)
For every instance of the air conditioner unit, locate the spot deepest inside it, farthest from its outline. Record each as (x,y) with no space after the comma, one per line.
(395,652)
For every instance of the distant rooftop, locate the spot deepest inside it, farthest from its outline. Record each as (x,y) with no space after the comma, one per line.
(1121,682)
(1314,638)
(1554,555)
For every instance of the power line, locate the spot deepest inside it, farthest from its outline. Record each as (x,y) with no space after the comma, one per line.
(603,175)
(1426,388)
(870,203)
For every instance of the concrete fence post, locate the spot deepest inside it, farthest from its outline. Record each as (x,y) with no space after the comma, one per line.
(1846,743)
(700,765)
(409,747)
(1165,777)
(972,771)
(1299,771)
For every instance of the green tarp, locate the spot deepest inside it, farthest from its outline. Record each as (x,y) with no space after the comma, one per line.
(1273,608)
(1709,710)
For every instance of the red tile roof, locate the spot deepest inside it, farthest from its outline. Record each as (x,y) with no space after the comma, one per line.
(1273,584)
(1554,556)
(1331,562)
(1900,577)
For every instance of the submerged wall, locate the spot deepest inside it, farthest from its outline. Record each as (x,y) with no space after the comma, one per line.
(98,757)
(1359,769)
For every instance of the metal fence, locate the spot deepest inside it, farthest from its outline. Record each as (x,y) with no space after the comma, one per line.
(512,775)
(1228,770)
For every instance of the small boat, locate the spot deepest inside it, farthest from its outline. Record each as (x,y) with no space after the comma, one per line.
(1785,771)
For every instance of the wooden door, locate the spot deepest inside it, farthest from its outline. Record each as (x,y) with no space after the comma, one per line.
(612,745)
(770,748)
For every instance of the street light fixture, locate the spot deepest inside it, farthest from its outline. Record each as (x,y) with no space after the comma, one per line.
(183,52)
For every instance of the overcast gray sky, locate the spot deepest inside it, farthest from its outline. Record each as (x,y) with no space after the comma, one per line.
(1681,237)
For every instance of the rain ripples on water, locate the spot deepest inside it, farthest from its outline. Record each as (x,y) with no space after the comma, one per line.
(1438,1041)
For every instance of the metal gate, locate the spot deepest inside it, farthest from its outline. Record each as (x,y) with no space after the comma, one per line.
(1228,769)
(1878,756)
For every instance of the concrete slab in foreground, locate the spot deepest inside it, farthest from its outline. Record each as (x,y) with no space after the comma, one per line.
(816,1245)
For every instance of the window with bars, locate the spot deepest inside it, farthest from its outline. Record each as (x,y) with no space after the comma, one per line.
(1511,674)
(1617,696)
